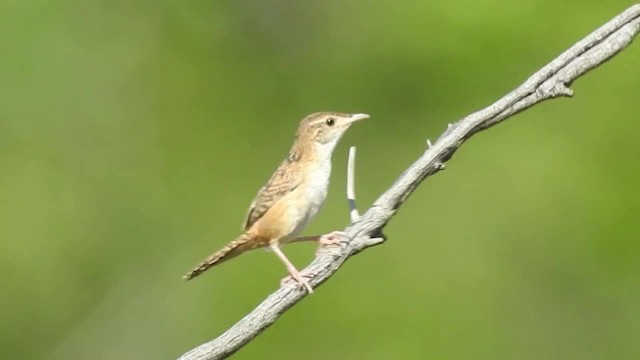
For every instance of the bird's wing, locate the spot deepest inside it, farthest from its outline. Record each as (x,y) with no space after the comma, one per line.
(282,182)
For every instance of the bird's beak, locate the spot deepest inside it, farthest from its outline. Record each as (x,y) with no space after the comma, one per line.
(357,117)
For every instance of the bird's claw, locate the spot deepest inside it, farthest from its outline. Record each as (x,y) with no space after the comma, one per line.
(333,238)
(299,278)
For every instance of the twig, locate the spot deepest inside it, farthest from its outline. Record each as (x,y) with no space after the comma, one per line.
(549,82)
(351,192)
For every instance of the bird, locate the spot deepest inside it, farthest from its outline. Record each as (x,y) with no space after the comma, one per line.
(292,197)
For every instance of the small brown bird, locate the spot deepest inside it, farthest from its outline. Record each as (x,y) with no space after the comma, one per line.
(293,195)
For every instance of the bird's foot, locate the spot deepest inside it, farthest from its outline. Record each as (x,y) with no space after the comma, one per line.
(332,238)
(298,277)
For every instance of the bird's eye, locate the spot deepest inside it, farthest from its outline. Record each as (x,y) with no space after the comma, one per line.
(331,121)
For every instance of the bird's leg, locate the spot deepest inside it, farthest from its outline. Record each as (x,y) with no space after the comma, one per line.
(332,238)
(293,272)
(306,238)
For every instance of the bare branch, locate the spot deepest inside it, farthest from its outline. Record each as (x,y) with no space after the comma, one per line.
(549,82)
(351,187)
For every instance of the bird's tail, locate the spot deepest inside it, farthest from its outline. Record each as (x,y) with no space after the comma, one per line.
(243,243)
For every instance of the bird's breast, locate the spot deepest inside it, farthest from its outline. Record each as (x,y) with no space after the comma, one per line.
(312,193)
(317,187)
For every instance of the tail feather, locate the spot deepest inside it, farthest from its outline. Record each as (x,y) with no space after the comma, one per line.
(231,250)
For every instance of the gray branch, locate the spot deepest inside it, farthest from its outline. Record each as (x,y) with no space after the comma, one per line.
(550,82)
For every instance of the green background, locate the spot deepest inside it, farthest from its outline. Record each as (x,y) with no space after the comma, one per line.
(133,136)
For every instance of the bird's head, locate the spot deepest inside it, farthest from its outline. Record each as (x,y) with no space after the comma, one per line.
(326,128)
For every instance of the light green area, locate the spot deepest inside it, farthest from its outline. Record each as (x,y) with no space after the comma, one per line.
(133,135)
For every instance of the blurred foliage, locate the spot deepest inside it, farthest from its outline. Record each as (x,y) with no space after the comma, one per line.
(133,136)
